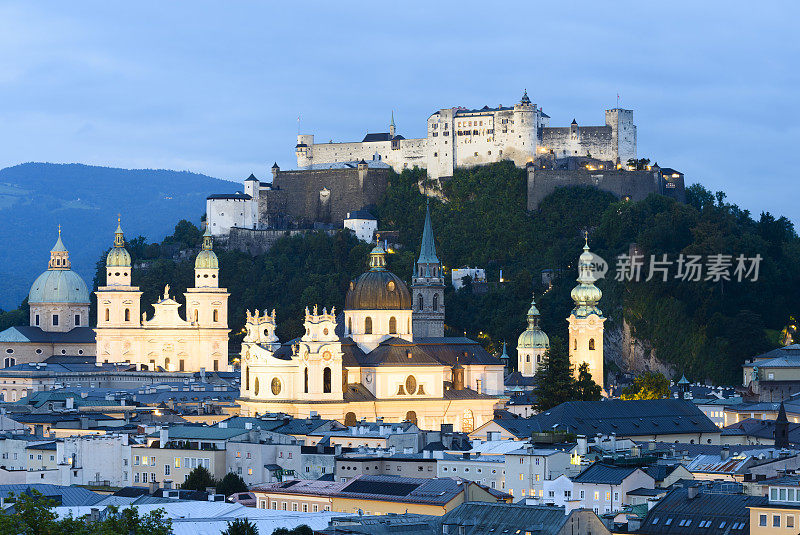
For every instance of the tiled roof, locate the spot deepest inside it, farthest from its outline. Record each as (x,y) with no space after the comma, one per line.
(26,333)
(238,196)
(604,474)
(481,518)
(68,496)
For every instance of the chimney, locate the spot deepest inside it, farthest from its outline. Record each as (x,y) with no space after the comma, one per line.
(337,449)
(69,403)
(614,444)
(163,436)
(692,492)
(583,445)
(153,487)
(202,375)
(725,453)
(651,445)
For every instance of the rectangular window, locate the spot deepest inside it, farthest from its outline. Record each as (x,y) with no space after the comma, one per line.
(305,507)
(773,494)
(789,521)
(177,462)
(783,495)
(37,320)
(608,496)
(55,320)
(315,508)
(762,520)
(776,521)
(77,320)
(582,495)
(294,506)
(136,477)
(597,495)
(166,469)
(521,476)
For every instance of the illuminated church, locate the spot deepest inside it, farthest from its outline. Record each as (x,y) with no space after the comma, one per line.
(165,340)
(384,356)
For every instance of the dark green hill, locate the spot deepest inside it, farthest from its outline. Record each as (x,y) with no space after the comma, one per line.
(36,197)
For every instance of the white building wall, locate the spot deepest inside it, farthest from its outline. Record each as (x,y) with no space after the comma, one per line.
(479,469)
(88,458)
(222,214)
(364,229)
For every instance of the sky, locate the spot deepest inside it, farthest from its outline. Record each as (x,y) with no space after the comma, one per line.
(218,87)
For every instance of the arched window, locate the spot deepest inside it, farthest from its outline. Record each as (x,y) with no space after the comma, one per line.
(305,380)
(575,344)
(392,325)
(467,422)
(350,419)
(108,315)
(326,380)
(127,314)
(195,316)
(435,302)
(166,364)
(216,315)
(247,378)
(9,361)
(368,325)
(349,325)
(255,390)
(591,344)
(411,416)
(420,303)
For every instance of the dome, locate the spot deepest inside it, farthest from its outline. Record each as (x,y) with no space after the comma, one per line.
(206,260)
(533,340)
(586,295)
(378,289)
(59,286)
(118,257)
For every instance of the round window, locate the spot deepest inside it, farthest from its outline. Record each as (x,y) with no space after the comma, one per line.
(326,355)
(325,331)
(276,386)
(9,350)
(390,286)
(411,384)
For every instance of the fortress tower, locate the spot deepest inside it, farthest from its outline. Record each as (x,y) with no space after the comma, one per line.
(427,287)
(586,321)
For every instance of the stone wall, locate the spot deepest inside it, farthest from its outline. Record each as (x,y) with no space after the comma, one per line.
(590,140)
(257,241)
(635,185)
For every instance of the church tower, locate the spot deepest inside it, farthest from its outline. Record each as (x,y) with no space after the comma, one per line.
(586,321)
(118,304)
(427,287)
(532,344)
(207,308)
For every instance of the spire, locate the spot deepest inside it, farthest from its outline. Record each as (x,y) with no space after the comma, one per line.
(377,258)
(427,252)
(59,256)
(119,237)
(533,315)
(526,101)
(392,123)
(208,239)
(782,429)
(504,357)
(586,295)
(391,127)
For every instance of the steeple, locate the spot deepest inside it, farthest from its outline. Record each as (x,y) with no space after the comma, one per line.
(59,256)
(119,237)
(427,251)
(586,295)
(526,101)
(782,428)
(391,126)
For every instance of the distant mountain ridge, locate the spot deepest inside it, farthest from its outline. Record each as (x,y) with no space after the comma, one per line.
(85,200)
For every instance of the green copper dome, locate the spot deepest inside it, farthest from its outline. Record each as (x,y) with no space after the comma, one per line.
(207,259)
(59,284)
(118,256)
(533,337)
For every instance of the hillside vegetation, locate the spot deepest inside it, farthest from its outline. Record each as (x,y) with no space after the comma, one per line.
(704,329)
(36,197)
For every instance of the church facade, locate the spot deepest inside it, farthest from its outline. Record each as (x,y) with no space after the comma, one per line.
(384,356)
(166,339)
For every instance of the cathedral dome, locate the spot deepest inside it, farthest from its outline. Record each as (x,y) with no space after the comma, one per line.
(378,289)
(58,286)
(533,337)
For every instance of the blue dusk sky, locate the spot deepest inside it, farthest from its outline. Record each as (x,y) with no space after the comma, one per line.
(217,87)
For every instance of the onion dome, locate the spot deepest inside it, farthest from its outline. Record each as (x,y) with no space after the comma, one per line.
(586,295)
(206,258)
(378,289)
(533,337)
(118,256)
(59,284)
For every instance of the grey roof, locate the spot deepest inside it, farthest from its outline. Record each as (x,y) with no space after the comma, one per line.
(361,214)
(189,432)
(517,379)
(625,418)
(604,474)
(408,523)
(372,164)
(481,518)
(724,511)
(68,496)
(26,333)
(380,136)
(235,196)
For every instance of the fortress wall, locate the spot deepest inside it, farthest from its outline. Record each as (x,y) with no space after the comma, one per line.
(634,184)
(594,140)
(257,241)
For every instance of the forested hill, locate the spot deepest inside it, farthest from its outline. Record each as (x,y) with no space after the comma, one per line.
(704,329)
(36,197)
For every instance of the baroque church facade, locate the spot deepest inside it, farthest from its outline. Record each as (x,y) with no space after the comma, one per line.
(384,356)
(166,339)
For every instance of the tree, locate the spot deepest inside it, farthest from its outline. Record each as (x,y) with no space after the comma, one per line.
(554,380)
(302,529)
(649,385)
(199,479)
(241,526)
(231,484)
(585,387)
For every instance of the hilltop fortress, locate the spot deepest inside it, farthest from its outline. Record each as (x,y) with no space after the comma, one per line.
(459,137)
(337,179)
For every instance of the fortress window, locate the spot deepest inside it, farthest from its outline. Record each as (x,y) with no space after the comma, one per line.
(77,320)
(37,319)
(435,154)
(392,325)
(368,325)
(326,381)
(591,344)
(55,320)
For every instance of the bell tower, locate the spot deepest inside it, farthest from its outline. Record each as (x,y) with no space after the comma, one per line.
(427,287)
